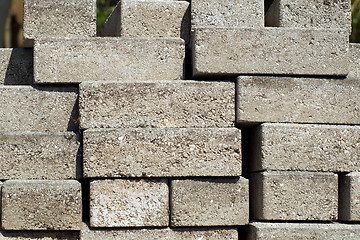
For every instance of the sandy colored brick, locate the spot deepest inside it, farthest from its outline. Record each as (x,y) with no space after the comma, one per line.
(294,196)
(129,203)
(349,204)
(354,68)
(58,18)
(170,104)
(41,205)
(210,202)
(39,235)
(281,51)
(306,147)
(297,100)
(26,108)
(75,60)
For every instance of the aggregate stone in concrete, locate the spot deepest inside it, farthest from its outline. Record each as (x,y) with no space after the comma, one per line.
(210,202)
(163,234)
(283,51)
(39,235)
(26,108)
(74,60)
(227,13)
(162,152)
(302,231)
(354,68)
(349,204)
(329,14)
(25,155)
(41,205)
(139,18)
(294,196)
(129,203)
(58,18)
(306,147)
(297,100)
(156,104)
(16,66)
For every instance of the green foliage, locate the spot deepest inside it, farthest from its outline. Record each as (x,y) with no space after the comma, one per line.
(104,9)
(355,15)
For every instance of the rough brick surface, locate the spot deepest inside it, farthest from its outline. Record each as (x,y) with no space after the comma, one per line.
(58,18)
(234,51)
(349,204)
(302,231)
(294,196)
(38,155)
(354,55)
(129,203)
(297,100)
(306,147)
(100,59)
(174,152)
(39,235)
(41,205)
(25,108)
(157,104)
(16,66)
(207,202)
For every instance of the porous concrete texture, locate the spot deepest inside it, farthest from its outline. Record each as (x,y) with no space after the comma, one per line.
(302,231)
(129,203)
(39,235)
(26,108)
(41,205)
(349,195)
(157,104)
(227,13)
(139,18)
(297,100)
(163,234)
(292,51)
(74,60)
(58,18)
(354,55)
(210,202)
(294,196)
(329,14)
(16,66)
(306,147)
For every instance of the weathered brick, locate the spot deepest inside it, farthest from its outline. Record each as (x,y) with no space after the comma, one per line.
(297,100)
(306,147)
(157,104)
(165,152)
(41,205)
(58,18)
(210,202)
(16,66)
(129,203)
(100,59)
(354,68)
(39,235)
(294,196)
(349,205)
(38,155)
(26,108)
(302,231)
(291,51)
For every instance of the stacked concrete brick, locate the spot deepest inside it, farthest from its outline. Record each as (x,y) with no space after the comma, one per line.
(105,138)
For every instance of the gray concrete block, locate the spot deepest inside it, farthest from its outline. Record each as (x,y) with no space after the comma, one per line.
(101,59)
(129,203)
(157,104)
(330,14)
(302,231)
(39,235)
(354,68)
(297,100)
(41,205)
(210,202)
(227,13)
(294,196)
(163,234)
(139,18)
(16,66)
(38,155)
(58,18)
(349,195)
(25,108)
(290,51)
(306,147)
(162,152)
